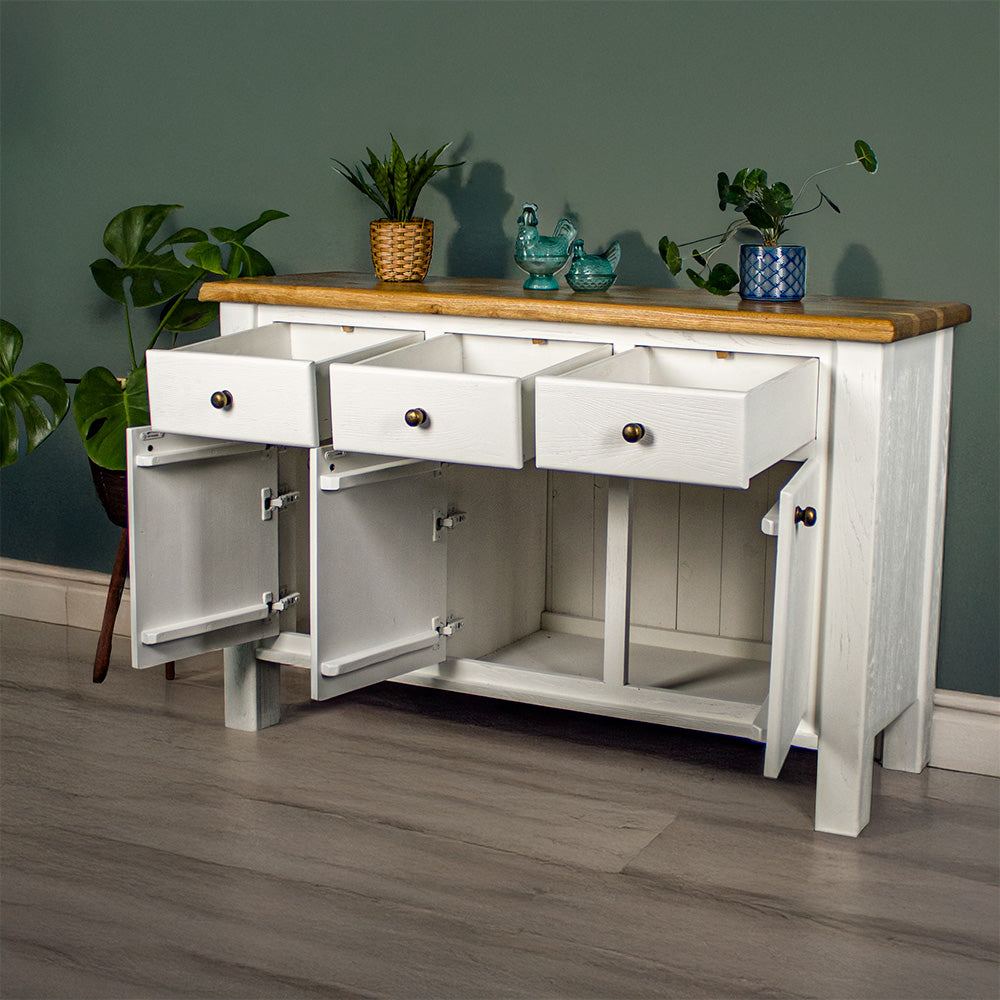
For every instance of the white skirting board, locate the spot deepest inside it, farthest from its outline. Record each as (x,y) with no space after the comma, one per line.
(965,734)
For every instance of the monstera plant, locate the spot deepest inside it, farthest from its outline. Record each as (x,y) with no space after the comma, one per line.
(145,272)
(21,392)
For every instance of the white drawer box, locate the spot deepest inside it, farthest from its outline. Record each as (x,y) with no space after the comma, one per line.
(455,398)
(678,415)
(268,384)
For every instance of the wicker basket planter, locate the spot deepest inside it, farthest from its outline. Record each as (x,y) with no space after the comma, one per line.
(401,251)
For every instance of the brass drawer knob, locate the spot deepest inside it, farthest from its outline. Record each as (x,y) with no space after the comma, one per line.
(415,417)
(806,516)
(222,399)
(633,433)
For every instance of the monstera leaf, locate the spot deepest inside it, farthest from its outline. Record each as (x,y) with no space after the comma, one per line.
(154,275)
(18,393)
(103,407)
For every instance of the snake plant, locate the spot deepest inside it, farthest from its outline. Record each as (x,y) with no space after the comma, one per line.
(395,181)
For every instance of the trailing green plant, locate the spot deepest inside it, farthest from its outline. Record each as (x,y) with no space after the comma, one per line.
(395,181)
(19,392)
(763,208)
(142,276)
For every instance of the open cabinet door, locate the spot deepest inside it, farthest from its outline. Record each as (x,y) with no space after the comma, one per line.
(379,560)
(203,559)
(794,643)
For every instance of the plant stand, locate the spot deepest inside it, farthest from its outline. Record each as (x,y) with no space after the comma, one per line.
(118,575)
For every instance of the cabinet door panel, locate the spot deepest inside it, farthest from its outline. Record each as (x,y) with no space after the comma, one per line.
(379,577)
(203,563)
(794,646)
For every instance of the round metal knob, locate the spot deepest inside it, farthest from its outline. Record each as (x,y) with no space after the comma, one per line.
(633,432)
(415,417)
(222,399)
(806,516)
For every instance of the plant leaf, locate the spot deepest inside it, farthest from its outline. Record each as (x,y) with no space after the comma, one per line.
(865,155)
(188,315)
(720,281)
(670,254)
(207,256)
(103,408)
(759,218)
(152,277)
(18,392)
(823,198)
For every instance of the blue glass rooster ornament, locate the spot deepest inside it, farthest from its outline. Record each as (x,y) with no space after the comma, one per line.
(593,272)
(541,256)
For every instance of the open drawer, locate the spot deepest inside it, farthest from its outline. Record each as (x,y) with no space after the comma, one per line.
(678,415)
(460,398)
(267,384)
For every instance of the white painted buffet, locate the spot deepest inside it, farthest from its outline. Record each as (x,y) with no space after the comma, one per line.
(645,503)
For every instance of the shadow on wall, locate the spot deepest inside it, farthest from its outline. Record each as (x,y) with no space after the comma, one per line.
(858,275)
(641,265)
(481,246)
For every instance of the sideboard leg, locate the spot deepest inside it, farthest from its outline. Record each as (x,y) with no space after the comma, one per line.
(844,786)
(253,690)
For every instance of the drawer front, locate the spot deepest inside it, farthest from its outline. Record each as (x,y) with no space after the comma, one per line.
(683,433)
(469,419)
(267,399)
(267,384)
(454,398)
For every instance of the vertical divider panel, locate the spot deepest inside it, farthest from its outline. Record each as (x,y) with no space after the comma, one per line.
(699,560)
(617,582)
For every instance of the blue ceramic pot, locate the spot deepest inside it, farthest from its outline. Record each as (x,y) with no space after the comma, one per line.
(772,274)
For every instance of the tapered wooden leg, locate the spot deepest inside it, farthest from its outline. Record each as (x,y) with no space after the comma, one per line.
(115,588)
(114,600)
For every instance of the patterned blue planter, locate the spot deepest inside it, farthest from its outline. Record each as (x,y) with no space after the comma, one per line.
(772,274)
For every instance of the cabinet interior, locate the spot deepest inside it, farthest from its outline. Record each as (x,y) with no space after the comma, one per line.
(527,574)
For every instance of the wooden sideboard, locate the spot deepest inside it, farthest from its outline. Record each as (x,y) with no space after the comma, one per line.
(645,503)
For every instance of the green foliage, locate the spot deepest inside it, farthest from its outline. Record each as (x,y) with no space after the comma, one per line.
(395,182)
(762,207)
(19,392)
(103,407)
(140,275)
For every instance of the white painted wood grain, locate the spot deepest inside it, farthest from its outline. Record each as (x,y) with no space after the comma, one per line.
(275,374)
(706,420)
(193,558)
(794,646)
(699,560)
(476,393)
(378,577)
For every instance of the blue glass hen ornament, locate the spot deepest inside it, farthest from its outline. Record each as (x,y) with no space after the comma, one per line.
(593,272)
(541,256)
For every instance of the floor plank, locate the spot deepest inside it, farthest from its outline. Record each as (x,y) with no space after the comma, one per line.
(407,843)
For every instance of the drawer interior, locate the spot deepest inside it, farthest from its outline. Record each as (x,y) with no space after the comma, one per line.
(300,342)
(680,368)
(471,354)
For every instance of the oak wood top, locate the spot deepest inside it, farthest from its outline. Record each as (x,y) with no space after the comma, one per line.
(818,316)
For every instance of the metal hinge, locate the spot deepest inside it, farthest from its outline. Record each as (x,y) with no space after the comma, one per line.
(447,521)
(269,503)
(283,603)
(449,626)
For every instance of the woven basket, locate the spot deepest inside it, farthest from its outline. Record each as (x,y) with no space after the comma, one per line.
(401,251)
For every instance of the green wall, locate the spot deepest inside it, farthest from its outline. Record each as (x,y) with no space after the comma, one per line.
(621,113)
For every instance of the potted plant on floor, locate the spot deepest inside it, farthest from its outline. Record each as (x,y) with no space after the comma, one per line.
(401,242)
(769,271)
(21,392)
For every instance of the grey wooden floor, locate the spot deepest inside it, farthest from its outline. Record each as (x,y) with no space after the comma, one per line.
(408,844)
